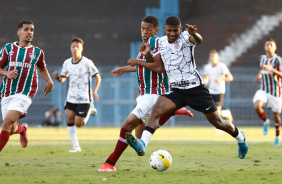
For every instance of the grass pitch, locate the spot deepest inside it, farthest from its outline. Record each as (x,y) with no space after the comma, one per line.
(198,156)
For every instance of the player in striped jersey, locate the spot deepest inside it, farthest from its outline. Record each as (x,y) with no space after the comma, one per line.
(80,71)
(177,55)
(151,85)
(19,62)
(270,88)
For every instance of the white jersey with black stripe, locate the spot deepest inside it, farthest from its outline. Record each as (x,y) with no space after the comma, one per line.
(179,61)
(80,79)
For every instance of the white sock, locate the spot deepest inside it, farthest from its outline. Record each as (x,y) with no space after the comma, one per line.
(240,138)
(146,137)
(73,135)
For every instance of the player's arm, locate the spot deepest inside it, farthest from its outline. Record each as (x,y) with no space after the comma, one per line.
(273,70)
(228,77)
(119,71)
(96,86)
(195,37)
(45,75)
(258,77)
(155,63)
(3,63)
(59,78)
(206,79)
(155,66)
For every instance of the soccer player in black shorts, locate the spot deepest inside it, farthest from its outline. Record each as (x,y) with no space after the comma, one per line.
(177,58)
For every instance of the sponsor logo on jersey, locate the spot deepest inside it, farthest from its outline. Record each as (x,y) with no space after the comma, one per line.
(20,64)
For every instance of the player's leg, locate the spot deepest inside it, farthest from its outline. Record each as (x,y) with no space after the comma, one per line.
(144,104)
(130,123)
(161,107)
(10,118)
(277,125)
(70,113)
(259,100)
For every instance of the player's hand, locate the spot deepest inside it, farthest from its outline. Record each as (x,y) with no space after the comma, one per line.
(12,74)
(117,72)
(55,74)
(268,67)
(257,78)
(145,49)
(95,96)
(192,29)
(133,62)
(49,87)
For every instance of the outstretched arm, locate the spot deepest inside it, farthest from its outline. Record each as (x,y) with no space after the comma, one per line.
(119,71)
(45,75)
(195,38)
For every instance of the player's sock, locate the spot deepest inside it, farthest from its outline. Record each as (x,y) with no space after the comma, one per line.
(73,134)
(4,138)
(20,130)
(119,149)
(164,119)
(263,116)
(147,135)
(238,135)
(277,129)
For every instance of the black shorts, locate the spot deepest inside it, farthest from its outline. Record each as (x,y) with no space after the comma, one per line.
(80,110)
(218,99)
(198,98)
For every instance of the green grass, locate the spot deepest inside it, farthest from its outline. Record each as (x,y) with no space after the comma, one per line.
(198,154)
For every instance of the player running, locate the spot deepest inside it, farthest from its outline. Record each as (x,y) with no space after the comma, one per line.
(18,64)
(80,71)
(176,52)
(270,89)
(151,86)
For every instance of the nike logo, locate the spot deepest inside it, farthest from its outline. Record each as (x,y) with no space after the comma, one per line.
(208,108)
(80,112)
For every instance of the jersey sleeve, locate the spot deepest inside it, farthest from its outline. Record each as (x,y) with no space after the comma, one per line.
(278,64)
(186,36)
(41,60)
(92,68)
(206,70)
(3,57)
(154,43)
(64,71)
(225,69)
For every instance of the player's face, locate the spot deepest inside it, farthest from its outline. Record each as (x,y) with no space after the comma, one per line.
(26,33)
(148,30)
(270,47)
(213,57)
(172,32)
(76,49)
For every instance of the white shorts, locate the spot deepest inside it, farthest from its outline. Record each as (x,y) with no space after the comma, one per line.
(17,102)
(144,106)
(272,102)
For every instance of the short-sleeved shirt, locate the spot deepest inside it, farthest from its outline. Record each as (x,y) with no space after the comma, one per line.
(220,70)
(179,61)
(150,82)
(80,79)
(270,82)
(25,60)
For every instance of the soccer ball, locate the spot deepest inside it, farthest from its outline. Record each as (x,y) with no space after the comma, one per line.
(160,160)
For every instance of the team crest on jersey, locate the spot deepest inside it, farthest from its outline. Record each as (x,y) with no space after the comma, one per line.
(31,55)
(177,44)
(11,53)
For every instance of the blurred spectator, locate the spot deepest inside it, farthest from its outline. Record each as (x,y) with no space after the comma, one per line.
(52,117)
